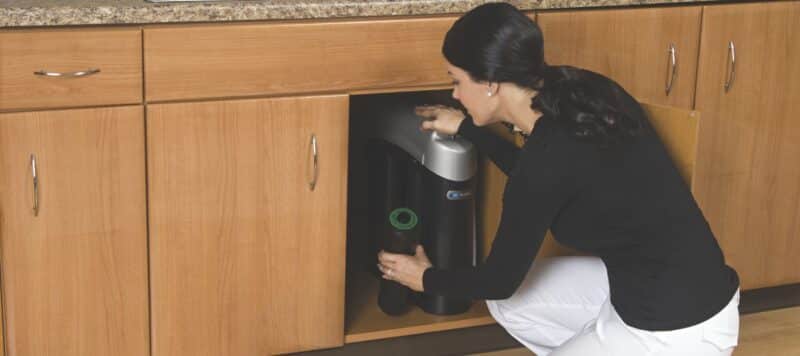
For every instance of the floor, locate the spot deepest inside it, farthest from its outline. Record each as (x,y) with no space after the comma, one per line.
(768,333)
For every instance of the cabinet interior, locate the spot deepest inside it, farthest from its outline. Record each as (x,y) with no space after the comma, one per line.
(364,320)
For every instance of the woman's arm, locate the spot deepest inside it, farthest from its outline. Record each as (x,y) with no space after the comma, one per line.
(451,121)
(503,153)
(532,200)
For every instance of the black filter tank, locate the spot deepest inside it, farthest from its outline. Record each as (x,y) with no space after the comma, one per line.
(401,236)
(429,175)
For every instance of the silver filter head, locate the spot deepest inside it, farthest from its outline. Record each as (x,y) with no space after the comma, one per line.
(393,120)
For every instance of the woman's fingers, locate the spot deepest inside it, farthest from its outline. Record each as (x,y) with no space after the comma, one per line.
(404,269)
(391,261)
(420,252)
(430,114)
(388,272)
(396,272)
(440,118)
(388,259)
(382,268)
(425,111)
(429,111)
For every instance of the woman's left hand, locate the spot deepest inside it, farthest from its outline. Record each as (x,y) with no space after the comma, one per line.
(404,269)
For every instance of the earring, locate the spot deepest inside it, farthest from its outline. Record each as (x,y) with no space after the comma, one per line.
(489,93)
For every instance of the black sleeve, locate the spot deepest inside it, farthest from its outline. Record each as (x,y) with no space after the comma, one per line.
(502,152)
(533,197)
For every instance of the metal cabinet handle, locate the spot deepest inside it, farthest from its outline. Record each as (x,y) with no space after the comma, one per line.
(732,72)
(35,186)
(315,158)
(673,68)
(83,73)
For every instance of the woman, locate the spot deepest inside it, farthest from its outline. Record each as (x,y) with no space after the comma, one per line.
(594,172)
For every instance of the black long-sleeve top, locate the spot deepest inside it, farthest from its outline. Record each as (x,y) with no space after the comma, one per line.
(626,204)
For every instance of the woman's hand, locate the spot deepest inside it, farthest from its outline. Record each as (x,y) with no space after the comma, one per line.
(440,118)
(404,269)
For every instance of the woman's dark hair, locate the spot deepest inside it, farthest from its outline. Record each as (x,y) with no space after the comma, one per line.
(495,42)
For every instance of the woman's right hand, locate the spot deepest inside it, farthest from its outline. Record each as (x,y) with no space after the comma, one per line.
(440,118)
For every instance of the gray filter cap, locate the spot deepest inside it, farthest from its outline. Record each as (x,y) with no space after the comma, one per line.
(450,157)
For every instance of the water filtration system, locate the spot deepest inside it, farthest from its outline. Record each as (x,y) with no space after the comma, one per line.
(421,191)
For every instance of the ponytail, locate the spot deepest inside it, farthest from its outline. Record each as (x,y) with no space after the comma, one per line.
(590,106)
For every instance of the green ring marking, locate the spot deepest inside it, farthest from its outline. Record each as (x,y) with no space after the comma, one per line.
(395,214)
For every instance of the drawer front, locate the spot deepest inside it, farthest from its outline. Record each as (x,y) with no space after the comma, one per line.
(116,53)
(213,61)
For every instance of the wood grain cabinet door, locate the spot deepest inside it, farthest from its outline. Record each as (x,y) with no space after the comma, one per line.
(631,46)
(748,169)
(74,243)
(247,258)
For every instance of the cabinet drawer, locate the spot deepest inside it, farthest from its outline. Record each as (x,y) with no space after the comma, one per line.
(214,61)
(115,52)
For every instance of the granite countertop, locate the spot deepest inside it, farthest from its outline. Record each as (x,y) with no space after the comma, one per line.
(25,13)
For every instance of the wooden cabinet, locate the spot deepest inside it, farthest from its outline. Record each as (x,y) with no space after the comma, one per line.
(246,252)
(247,257)
(74,242)
(748,171)
(632,46)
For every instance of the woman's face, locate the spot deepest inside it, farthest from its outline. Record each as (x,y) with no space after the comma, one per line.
(473,95)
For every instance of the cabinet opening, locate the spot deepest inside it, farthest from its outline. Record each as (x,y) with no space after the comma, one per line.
(385,174)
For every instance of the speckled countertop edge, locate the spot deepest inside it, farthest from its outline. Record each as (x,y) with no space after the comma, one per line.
(32,13)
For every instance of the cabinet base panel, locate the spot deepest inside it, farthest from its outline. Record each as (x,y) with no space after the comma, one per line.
(365,321)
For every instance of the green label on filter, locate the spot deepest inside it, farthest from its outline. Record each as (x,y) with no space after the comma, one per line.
(403,218)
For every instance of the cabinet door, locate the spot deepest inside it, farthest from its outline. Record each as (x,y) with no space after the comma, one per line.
(74,257)
(247,258)
(748,169)
(631,46)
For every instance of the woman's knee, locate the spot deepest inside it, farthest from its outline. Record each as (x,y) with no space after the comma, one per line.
(499,311)
(550,297)
(555,282)
(536,327)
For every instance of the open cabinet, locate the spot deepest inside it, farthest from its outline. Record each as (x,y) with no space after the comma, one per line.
(364,320)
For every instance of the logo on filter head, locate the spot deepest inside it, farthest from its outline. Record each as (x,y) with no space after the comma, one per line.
(458,194)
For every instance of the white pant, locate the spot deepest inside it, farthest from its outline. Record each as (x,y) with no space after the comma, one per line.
(562,308)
